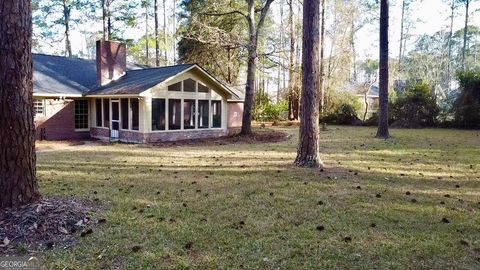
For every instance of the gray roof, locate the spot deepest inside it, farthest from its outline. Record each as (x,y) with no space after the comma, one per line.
(137,81)
(63,76)
(238,91)
(373,91)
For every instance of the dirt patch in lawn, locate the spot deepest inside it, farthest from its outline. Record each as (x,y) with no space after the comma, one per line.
(258,136)
(45,224)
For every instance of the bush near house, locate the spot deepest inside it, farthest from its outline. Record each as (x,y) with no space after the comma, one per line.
(341,109)
(466,108)
(415,108)
(265,110)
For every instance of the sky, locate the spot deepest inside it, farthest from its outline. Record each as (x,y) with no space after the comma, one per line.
(430,16)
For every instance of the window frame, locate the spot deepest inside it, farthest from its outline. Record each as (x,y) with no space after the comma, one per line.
(42,101)
(84,114)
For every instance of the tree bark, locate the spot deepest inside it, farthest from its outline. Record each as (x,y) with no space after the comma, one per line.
(465,32)
(382,131)
(66,21)
(157,47)
(450,34)
(174,15)
(401,37)
(308,149)
(165,29)
(253,31)
(322,52)
(18,183)
(104,19)
(146,35)
(293,95)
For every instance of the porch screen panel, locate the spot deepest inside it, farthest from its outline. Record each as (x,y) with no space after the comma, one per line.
(106,113)
(174,114)
(135,113)
(98,112)
(203,114)
(158,114)
(189,114)
(216,113)
(124,109)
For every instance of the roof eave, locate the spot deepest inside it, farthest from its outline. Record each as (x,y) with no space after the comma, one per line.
(56,95)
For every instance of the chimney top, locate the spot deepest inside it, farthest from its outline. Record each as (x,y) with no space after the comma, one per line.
(111,61)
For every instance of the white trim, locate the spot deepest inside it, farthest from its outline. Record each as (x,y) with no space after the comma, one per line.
(57,95)
(185,130)
(114,96)
(187,70)
(82,129)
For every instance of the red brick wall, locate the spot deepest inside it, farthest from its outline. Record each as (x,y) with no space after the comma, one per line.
(183,135)
(235,113)
(58,121)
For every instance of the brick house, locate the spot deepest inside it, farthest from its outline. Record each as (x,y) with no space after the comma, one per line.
(109,99)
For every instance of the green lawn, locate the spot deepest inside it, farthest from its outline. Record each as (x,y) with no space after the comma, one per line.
(246,206)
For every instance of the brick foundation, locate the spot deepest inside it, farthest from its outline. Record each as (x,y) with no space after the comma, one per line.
(168,136)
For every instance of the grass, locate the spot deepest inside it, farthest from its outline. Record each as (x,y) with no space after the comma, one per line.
(247,206)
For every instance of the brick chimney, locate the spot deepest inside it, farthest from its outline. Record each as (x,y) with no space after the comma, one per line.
(111,61)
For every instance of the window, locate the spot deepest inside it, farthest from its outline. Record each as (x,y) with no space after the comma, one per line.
(134,108)
(38,106)
(175,87)
(124,109)
(202,88)
(189,85)
(158,114)
(81,114)
(189,114)
(98,112)
(106,113)
(174,114)
(216,113)
(203,114)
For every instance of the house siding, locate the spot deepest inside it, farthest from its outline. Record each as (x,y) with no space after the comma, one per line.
(235,113)
(58,121)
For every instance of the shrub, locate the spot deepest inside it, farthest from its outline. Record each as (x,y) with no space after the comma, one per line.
(466,107)
(265,110)
(341,109)
(344,115)
(415,108)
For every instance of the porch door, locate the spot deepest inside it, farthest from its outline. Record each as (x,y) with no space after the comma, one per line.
(115,119)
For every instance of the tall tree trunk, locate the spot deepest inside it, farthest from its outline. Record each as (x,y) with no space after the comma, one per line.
(354,52)
(157,47)
(229,65)
(66,22)
(322,52)
(165,30)
(450,34)
(18,183)
(249,92)
(465,32)
(146,35)
(104,19)
(401,37)
(253,31)
(292,81)
(174,16)
(382,131)
(308,148)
